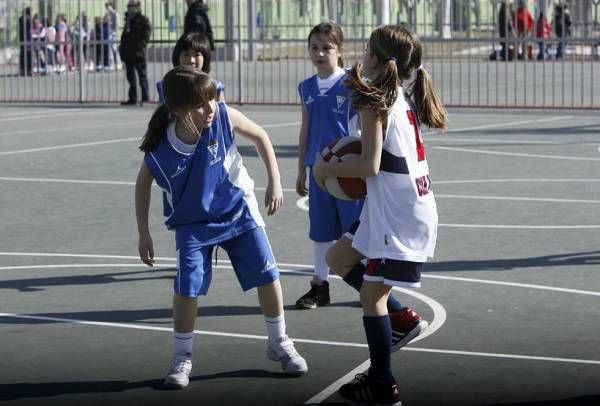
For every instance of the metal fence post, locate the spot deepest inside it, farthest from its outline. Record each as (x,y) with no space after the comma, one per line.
(81,57)
(240,53)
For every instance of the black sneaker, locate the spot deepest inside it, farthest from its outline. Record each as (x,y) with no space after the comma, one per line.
(364,390)
(317,296)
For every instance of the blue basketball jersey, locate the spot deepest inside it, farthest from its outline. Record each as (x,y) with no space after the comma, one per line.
(205,185)
(161,98)
(329,114)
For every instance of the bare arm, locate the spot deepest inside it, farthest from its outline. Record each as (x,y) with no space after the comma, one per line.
(259,137)
(143,186)
(365,165)
(301,188)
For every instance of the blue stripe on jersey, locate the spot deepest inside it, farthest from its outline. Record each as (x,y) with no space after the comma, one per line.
(208,188)
(328,114)
(392,163)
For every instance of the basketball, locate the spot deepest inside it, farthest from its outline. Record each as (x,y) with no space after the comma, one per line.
(340,150)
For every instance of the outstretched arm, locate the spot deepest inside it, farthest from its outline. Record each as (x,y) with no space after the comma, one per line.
(249,129)
(143,186)
(301,188)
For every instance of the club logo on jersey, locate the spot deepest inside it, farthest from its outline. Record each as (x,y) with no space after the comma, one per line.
(309,100)
(180,168)
(340,101)
(213,148)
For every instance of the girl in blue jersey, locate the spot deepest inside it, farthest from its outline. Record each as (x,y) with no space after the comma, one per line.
(398,223)
(192,50)
(326,115)
(209,201)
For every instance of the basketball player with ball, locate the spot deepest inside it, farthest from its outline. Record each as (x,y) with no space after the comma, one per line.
(398,223)
(326,116)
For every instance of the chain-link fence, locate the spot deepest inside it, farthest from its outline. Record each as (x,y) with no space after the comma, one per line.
(480,53)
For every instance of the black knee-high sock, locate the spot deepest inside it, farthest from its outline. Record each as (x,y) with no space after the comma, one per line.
(379,336)
(354,278)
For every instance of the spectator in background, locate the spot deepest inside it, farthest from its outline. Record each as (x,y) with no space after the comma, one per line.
(523,22)
(505,31)
(542,33)
(25,43)
(61,40)
(50,37)
(112,16)
(196,21)
(562,27)
(37,37)
(134,41)
(101,39)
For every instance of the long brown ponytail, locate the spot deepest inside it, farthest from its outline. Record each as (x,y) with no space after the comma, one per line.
(400,53)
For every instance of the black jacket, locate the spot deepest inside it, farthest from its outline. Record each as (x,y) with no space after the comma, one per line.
(134,39)
(196,20)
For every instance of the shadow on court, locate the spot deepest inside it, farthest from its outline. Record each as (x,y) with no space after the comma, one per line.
(578,258)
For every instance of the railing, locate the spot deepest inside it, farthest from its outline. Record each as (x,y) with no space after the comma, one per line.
(261,55)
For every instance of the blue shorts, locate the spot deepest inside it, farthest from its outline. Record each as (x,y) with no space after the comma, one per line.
(250,254)
(329,217)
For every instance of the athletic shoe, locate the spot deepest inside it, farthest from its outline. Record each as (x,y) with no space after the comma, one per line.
(179,375)
(364,390)
(284,351)
(317,296)
(406,325)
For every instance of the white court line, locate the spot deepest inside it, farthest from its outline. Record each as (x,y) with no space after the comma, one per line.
(75,128)
(525,199)
(300,340)
(87,144)
(495,141)
(520,227)
(499,125)
(519,154)
(95,182)
(523,180)
(60,114)
(57,147)
(287,265)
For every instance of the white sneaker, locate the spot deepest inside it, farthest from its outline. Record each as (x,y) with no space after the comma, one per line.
(179,375)
(284,351)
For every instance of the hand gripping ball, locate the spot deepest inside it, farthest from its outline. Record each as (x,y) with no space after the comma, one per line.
(340,150)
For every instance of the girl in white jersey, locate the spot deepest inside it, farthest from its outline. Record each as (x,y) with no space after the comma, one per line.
(327,115)
(209,201)
(398,223)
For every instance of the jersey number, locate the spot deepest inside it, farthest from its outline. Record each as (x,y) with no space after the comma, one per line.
(420,147)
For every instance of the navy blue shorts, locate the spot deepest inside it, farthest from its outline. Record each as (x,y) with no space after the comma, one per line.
(250,254)
(391,272)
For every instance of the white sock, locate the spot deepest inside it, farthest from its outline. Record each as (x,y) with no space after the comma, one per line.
(319,252)
(183,344)
(275,327)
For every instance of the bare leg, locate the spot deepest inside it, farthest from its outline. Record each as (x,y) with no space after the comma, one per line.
(341,257)
(270,299)
(373,297)
(184,313)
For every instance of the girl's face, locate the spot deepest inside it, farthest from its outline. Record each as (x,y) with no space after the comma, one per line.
(370,63)
(323,54)
(191,58)
(204,114)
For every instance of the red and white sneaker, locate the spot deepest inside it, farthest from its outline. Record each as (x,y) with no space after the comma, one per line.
(406,325)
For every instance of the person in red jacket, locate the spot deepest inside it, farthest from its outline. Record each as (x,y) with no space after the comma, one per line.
(543,31)
(523,22)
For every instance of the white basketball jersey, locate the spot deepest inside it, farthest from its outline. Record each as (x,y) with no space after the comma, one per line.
(399,218)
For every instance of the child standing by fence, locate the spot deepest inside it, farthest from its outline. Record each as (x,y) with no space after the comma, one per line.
(209,201)
(398,223)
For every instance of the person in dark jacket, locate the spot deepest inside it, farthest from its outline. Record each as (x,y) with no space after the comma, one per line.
(134,40)
(25,43)
(196,21)
(562,27)
(505,30)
